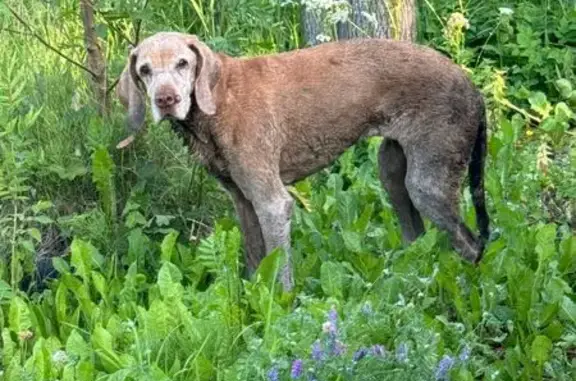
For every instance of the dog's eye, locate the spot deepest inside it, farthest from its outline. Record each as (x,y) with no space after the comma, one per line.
(145,70)
(182,64)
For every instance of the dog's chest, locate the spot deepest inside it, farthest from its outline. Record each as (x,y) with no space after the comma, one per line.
(202,145)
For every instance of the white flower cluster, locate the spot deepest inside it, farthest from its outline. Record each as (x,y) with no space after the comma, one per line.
(323,4)
(335,10)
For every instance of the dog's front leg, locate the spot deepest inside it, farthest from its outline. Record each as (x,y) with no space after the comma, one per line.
(274,213)
(254,246)
(273,206)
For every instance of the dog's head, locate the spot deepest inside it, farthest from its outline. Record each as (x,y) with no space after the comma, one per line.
(173,70)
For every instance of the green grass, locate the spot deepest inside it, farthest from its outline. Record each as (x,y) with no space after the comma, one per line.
(148,284)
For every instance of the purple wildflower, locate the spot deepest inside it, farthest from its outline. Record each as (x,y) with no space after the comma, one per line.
(329,328)
(378,350)
(273,374)
(333,316)
(465,354)
(444,366)
(402,352)
(297,368)
(339,348)
(360,354)
(317,353)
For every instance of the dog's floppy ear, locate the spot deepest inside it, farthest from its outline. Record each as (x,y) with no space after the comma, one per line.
(207,71)
(131,94)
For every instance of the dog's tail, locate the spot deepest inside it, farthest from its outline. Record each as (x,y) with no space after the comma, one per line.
(476,173)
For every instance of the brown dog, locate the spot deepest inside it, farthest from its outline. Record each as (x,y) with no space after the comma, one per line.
(261,123)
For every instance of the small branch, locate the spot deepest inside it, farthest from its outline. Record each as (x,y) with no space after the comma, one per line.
(512,106)
(113,85)
(14,31)
(46,44)
(122,34)
(138,26)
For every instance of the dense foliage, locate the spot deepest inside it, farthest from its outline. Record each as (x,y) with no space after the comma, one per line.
(125,265)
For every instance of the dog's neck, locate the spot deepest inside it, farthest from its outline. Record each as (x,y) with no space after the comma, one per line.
(196,132)
(194,126)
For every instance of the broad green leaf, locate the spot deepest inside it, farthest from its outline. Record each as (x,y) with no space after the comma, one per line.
(99,283)
(563,113)
(103,169)
(42,219)
(68,373)
(5,292)
(300,196)
(370,265)
(81,292)
(547,313)
(40,364)
(8,347)
(73,170)
(332,278)
(134,219)
(15,371)
(555,330)
(568,310)
(61,301)
(567,263)
(363,221)
(552,125)
(35,233)
(269,268)
(163,220)
(545,246)
(541,348)
(475,305)
(19,315)
(123,375)
(389,289)
(85,370)
(555,289)
(160,320)
(81,258)
(61,265)
(138,244)
(102,344)
(168,246)
(464,375)
(41,206)
(76,346)
(564,87)
(540,104)
(169,278)
(352,241)
(520,286)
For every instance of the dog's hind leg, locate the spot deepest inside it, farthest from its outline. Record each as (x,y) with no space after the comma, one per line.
(393,165)
(433,182)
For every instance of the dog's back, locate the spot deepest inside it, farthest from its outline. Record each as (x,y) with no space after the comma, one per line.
(314,103)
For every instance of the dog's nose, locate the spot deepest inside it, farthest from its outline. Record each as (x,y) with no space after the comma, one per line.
(167,99)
